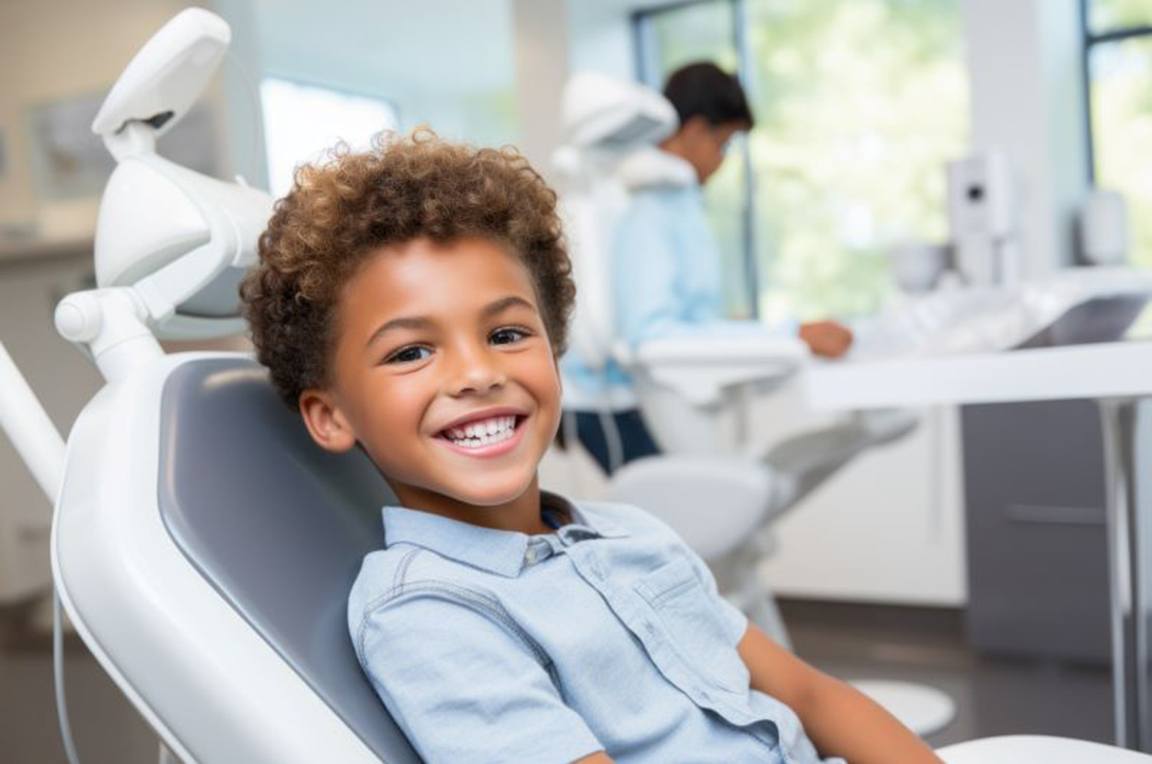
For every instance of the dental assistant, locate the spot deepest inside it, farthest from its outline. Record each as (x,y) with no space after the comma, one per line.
(666,264)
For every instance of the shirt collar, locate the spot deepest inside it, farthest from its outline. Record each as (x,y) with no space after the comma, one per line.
(496,551)
(652,167)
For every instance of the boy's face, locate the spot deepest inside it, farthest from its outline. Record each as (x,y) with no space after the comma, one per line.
(443,371)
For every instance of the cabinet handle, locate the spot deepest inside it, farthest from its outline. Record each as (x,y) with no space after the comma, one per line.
(1046,514)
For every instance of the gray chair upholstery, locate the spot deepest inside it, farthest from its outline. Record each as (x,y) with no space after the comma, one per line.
(277,526)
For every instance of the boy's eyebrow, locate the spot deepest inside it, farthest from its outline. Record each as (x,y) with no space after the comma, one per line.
(420,322)
(501,305)
(404,322)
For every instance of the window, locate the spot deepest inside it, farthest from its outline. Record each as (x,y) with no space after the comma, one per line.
(293,135)
(1118,56)
(845,158)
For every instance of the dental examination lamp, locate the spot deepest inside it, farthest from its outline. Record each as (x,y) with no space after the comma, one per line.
(171,244)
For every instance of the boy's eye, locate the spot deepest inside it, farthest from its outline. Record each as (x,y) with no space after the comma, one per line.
(507,335)
(409,354)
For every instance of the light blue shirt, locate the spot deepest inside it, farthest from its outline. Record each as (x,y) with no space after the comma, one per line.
(667,283)
(496,646)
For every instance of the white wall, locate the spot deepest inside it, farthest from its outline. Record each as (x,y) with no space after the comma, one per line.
(50,50)
(541,37)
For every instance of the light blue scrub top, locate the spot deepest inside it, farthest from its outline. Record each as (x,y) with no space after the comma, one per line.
(497,646)
(667,283)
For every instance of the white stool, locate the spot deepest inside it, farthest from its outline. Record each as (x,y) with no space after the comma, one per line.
(1038,749)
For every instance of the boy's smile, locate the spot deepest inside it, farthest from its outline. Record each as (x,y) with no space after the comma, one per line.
(442,370)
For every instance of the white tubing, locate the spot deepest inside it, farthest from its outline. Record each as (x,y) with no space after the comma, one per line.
(28,427)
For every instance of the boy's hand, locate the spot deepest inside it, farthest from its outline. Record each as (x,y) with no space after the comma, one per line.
(828,339)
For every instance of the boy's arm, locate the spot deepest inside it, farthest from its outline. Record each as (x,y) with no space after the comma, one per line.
(840,720)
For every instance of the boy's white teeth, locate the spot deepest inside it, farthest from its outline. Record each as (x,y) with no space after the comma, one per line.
(482,433)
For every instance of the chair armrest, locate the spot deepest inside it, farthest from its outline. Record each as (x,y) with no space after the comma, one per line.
(702,368)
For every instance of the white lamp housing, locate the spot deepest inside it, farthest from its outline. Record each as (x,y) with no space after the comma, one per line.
(163,80)
(597,110)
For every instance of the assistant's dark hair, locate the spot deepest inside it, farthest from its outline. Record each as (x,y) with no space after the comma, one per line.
(703,89)
(340,212)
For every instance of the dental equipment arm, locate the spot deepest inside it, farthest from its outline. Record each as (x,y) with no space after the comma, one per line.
(171,244)
(703,368)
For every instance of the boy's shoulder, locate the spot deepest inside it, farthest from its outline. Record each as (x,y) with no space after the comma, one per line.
(384,571)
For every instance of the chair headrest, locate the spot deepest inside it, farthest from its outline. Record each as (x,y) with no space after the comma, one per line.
(601,111)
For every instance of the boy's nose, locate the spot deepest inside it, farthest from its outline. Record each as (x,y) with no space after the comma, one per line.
(476,373)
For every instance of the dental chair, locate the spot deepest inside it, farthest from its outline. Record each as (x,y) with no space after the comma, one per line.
(202,545)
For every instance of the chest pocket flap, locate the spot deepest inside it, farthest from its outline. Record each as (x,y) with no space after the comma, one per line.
(690,621)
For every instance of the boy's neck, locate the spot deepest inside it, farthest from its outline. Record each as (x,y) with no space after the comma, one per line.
(521,514)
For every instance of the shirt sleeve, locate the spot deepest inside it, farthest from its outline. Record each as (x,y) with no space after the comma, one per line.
(465,688)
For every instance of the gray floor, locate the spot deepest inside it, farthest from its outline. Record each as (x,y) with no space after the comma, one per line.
(995,695)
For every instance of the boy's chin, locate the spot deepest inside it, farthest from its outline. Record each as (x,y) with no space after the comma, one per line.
(490,490)
(491,495)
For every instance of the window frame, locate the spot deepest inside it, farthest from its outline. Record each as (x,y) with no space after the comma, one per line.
(1092,39)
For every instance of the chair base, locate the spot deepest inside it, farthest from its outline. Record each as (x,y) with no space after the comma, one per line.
(1038,749)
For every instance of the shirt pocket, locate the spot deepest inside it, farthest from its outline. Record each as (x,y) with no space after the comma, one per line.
(690,621)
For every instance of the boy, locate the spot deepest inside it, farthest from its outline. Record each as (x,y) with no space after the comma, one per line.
(412,301)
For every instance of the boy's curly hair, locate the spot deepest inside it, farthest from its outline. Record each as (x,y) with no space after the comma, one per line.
(404,188)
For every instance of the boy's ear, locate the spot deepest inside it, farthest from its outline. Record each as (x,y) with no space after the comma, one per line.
(325,422)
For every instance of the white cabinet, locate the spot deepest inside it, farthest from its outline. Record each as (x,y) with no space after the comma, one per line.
(887,528)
